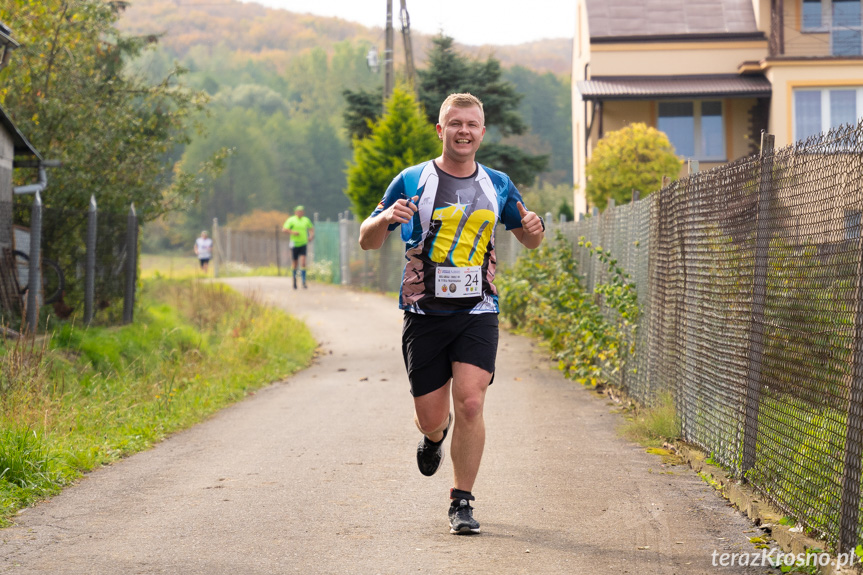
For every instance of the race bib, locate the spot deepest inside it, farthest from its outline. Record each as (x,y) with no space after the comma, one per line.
(458,282)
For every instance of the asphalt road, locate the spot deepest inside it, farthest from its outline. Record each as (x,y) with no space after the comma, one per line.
(317,474)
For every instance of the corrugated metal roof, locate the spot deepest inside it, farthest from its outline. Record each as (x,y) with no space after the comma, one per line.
(639,18)
(727,86)
(22,146)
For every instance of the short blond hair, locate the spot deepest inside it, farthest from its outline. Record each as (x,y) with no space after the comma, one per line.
(464,100)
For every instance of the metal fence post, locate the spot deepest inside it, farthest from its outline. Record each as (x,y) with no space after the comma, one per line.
(217,247)
(227,244)
(310,259)
(131,265)
(849,507)
(34,278)
(278,259)
(90,271)
(344,251)
(759,294)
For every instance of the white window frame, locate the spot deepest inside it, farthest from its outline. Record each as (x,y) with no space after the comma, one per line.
(825,106)
(698,154)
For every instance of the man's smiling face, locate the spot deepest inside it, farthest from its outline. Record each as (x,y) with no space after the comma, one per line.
(461,132)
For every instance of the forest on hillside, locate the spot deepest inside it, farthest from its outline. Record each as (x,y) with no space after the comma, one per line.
(276,82)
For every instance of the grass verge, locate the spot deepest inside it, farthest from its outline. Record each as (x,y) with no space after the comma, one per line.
(652,427)
(85,397)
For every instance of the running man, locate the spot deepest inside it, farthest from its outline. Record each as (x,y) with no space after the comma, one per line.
(204,250)
(302,231)
(450,332)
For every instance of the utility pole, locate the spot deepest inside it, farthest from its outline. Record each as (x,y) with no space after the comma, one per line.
(388,56)
(409,51)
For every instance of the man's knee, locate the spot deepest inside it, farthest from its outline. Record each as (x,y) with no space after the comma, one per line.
(470,408)
(427,424)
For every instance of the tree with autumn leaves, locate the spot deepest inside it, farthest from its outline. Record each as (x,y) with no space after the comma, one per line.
(635,157)
(69,89)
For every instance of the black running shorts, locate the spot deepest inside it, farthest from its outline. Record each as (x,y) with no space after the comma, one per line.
(431,343)
(296,252)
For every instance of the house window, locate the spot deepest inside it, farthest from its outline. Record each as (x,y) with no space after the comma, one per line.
(695,129)
(818,110)
(843,19)
(812,15)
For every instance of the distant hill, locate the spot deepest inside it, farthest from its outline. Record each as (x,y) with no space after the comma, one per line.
(275,35)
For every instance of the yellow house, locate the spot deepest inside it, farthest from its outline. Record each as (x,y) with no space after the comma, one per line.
(712,74)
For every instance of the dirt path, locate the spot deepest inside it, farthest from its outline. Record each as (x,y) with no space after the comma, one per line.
(317,475)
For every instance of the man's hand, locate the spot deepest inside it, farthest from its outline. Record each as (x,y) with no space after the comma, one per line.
(401,211)
(530,233)
(374,230)
(530,222)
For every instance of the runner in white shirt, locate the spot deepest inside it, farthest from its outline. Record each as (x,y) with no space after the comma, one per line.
(204,250)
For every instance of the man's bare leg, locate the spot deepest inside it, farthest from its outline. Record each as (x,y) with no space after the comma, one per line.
(468,435)
(431,412)
(303,269)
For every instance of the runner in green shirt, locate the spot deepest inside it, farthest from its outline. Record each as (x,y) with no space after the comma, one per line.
(302,231)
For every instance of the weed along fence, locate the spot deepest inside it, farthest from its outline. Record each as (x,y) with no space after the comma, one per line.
(84,262)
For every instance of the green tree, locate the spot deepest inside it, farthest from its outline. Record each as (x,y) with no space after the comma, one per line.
(401,138)
(547,109)
(248,180)
(449,72)
(363,108)
(547,198)
(68,89)
(633,158)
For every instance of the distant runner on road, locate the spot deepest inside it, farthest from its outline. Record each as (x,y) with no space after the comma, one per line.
(302,231)
(204,250)
(450,332)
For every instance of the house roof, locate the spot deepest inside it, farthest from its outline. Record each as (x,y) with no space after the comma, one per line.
(647,18)
(644,88)
(22,146)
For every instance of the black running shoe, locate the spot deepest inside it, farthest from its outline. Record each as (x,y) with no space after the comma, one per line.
(461,519)
(430,454)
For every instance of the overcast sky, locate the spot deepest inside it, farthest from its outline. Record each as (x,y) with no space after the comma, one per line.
(472,22)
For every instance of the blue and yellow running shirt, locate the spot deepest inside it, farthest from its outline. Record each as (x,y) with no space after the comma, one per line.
(450,257)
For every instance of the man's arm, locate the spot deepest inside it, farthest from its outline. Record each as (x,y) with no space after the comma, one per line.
(530,234)
(374,230)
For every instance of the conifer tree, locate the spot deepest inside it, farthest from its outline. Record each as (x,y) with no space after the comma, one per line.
(400,139)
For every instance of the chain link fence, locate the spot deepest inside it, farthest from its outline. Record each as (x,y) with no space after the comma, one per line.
(750,280)
(85,264)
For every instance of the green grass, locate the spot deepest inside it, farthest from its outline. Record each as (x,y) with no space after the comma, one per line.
(655,425)
(171,266)
(81,398)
